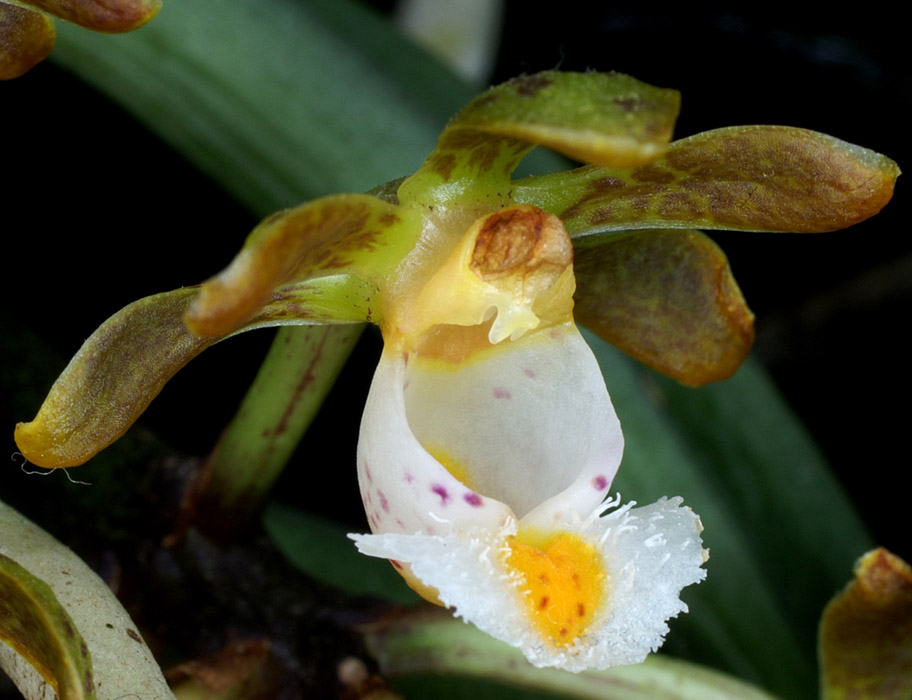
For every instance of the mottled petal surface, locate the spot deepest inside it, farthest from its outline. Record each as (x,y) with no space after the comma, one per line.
(101,15)
(756,178)
(26,39)
(866,633)
(666,297)
(342,237)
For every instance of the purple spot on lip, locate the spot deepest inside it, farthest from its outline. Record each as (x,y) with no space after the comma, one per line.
(529,373)
(442,492)
(600,483)
(501,393)
(408,477)
(367,472)
(383,502)
(473,499)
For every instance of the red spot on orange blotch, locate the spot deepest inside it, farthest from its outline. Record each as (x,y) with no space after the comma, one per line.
(543,603)
(563,632)
(580,609)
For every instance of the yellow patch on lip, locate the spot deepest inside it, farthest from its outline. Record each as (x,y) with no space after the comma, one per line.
(564,584)
(454,466)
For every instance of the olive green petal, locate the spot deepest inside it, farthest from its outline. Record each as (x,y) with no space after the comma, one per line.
(112,16)
(866,633)
(668,299)
(317,261)
(26,39)
(603,118)
(312,264)
(36,626)
(111,380)
(600,118)
(755,178)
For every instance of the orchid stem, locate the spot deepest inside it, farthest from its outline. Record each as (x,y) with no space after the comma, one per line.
(294,379)
(426,642)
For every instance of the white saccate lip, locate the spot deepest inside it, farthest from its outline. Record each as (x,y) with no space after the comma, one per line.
(456,457)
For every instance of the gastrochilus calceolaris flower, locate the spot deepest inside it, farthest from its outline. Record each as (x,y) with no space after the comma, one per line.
(489,442)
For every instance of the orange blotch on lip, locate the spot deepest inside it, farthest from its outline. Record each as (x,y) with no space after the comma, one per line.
(565,582)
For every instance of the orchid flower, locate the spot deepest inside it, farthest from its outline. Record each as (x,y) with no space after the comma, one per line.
(487,447)
(489,442)
(27,32)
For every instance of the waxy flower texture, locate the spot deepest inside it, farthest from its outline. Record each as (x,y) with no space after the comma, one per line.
(487,448)
(489,442)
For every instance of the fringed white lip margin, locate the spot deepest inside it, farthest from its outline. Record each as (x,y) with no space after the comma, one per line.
(650,552)
(456,459)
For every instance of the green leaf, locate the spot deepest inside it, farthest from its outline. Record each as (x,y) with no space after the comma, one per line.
(755,178)
(60,617)
(38,629)
(428,642)
(279,105)
(322,550)
(667,298)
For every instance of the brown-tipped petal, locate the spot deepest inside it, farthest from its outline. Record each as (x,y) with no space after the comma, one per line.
(667,298)
(757,178)
(26,39)
(342,235)
(866,633)
(112,16)
(603,118)
(111,381)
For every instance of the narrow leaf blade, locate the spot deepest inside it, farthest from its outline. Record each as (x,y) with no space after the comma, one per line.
(37,627)
(121,662)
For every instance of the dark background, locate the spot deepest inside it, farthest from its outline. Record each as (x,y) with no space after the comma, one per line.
(93,224)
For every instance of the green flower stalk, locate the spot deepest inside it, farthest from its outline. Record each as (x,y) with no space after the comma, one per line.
(489,442)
